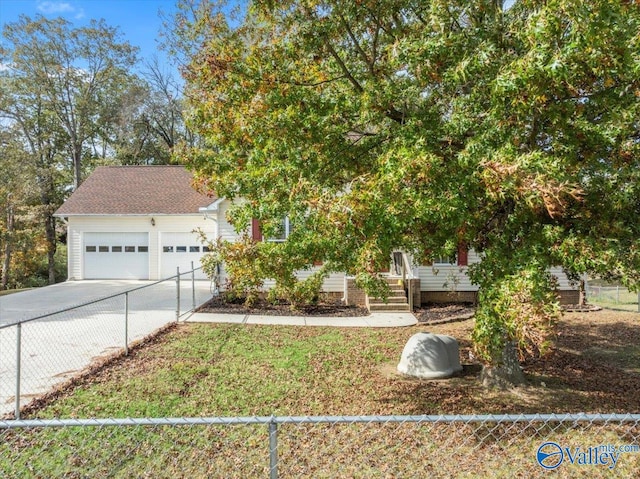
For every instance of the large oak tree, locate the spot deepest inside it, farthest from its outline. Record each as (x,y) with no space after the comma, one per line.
(413,125)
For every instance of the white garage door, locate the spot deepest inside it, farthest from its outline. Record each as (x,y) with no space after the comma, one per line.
(179,250)
(116,256)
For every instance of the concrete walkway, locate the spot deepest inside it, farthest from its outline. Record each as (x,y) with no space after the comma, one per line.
(374,320)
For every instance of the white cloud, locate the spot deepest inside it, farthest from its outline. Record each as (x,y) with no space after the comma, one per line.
(55,7)
(4,67)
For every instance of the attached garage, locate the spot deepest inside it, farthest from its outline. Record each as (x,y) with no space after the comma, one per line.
(137,222)
(180,250)
(116,255)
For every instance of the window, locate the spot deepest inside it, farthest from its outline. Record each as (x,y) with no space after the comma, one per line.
(181,249)
(143,249)
(167,249)
(129,249)
(116,249)
(194,249)
(205,249)
(283,231)
(103,249)
(90,249)
(444,260)
(458,258)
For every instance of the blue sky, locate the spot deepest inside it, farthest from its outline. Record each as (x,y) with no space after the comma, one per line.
(138,20)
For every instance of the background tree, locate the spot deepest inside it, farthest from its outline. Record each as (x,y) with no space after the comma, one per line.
(42,143)
(420,126)
(151,122)
(24,244)
(57,94)
(76,70)
(13,192)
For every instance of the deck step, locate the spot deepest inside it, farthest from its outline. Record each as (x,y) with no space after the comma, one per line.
(390,299)
(396,301)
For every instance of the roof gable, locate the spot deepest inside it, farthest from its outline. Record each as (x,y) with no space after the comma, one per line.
(136,190)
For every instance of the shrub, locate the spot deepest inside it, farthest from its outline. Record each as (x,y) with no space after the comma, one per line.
(248,264)
(299,293)
(242,261)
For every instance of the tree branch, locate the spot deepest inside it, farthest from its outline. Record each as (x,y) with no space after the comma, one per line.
(369,62)
(343,67)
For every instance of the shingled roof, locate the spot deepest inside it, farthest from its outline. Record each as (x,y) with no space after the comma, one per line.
(136,190)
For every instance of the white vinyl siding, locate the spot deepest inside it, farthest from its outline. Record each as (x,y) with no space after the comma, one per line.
(334,283)
(447,276)
(225,229)
(451,277)
(563,281)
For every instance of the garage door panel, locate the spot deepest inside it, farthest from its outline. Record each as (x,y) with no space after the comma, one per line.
(116,256)
(180,250)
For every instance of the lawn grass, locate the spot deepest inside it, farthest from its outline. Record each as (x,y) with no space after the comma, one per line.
(614,297)
(236,370)
(7,292)
(250,370)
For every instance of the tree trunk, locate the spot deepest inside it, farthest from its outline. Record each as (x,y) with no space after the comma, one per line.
(50,233)
(77,165)
(583,293)
(507,374)
(8,249)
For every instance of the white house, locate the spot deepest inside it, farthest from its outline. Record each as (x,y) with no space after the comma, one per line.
(139,222)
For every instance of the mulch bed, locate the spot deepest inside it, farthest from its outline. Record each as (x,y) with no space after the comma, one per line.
(580,308)
(436,313)
(264,308)
(429,313)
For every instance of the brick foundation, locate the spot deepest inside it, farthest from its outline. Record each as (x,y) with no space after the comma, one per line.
(332,295)
(449,296)
(569,296)
(357,297)
(566,296)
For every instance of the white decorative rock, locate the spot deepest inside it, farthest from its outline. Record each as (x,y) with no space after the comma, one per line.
(430,356)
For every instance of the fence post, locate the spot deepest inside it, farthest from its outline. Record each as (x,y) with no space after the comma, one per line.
(177,293)
(193,288)
(126,323)
(18,367)
(273,448)
(617,294)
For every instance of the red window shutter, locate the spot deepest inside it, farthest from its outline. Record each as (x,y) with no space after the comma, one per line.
(256,231)
(463,255)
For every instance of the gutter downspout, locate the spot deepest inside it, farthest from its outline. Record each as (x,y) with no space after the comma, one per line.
(345,297)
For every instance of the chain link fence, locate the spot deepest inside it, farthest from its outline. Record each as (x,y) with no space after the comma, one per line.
(614,297)
(577,445)
(40,353)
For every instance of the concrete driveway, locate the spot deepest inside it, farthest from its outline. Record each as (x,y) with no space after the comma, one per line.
(57,347)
